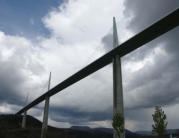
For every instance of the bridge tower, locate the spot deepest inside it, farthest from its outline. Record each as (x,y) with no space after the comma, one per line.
(118,106)
(45,116)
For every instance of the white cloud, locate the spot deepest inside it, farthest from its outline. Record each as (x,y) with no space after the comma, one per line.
(76,31)
(4,108)
(85,20)
(21,63)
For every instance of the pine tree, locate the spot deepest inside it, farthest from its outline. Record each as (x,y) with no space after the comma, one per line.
(160,123)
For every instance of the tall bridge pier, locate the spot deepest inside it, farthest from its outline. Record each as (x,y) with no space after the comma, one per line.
(118,106)
(24,119)
(45,116)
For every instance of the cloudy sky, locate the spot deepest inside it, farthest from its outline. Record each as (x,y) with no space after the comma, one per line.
(63,36)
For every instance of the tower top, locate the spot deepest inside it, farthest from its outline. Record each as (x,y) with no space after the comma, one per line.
(115,36)
(49,81)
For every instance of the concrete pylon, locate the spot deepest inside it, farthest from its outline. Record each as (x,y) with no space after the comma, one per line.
(45,116)
(25,114)
(24,119)
(118,106)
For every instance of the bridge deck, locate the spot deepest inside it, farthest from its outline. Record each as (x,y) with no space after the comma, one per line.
(162,26)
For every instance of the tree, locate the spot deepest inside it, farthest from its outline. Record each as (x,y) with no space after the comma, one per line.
(118,123)
(160,123)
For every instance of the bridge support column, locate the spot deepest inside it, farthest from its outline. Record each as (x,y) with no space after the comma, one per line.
(118,106)
(24,119)
(45,115)
(45,119)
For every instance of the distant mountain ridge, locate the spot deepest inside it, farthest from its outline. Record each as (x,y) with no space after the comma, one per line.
(144,133)
(106,130)
(149,133)
(10,127)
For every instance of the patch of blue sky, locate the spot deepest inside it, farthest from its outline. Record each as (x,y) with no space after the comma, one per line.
(24,17)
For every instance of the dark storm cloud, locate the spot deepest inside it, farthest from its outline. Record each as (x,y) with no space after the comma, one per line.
(157,83)
(75,116)
(13,82)
(146,12)
(17,67)
(107,42)
(10,79)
